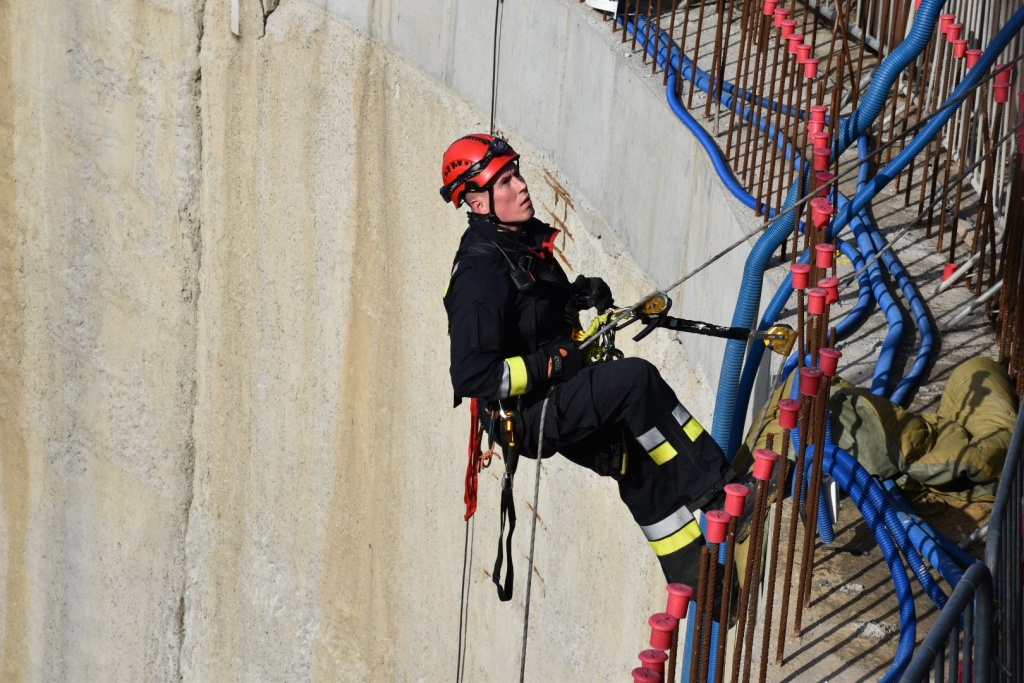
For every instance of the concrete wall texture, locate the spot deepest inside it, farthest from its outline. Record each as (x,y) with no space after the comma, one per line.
(227,447)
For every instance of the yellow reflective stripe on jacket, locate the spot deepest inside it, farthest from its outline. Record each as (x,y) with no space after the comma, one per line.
(680,539)
(693,429)
(518,378)
(663,453)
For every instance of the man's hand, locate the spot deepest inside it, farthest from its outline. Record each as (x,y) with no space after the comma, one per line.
(564,359)
(592,292)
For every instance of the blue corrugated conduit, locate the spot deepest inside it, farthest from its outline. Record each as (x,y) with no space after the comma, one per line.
(955,552)
(926,545)
(848,471)
(904,595)
(913,297)
(667,50)
(857,124)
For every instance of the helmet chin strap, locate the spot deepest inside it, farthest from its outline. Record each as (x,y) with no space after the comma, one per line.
(493,217)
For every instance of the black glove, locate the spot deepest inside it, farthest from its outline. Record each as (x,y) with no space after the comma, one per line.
(564,358)
(592,292)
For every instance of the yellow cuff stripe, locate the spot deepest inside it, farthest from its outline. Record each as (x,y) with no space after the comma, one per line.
(518,378)
(663,453)
(693,429)
(680,539)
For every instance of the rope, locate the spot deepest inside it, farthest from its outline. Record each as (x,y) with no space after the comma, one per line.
(467,559)
(533,535)
(467,550)
(499,11)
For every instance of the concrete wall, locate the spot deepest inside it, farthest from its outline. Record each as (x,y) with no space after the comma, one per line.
(228,452)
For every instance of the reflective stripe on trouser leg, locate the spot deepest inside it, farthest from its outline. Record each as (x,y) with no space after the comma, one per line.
(676,540)
(658,444)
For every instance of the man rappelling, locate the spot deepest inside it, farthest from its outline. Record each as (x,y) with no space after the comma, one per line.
(512,313)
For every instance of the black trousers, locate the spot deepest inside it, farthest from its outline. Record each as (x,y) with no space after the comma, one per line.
(672,465)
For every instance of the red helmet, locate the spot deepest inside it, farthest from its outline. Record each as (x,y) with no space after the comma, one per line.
(471,162)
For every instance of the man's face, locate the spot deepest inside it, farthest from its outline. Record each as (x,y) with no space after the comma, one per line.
(511,197)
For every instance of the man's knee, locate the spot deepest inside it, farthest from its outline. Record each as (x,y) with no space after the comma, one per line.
(638,374)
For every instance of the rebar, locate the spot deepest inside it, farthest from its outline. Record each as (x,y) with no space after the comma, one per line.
(773,562)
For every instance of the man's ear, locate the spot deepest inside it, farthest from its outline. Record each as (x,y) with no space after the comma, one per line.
(478,202)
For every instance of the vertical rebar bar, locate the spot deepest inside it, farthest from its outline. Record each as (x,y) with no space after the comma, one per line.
(794,510)
(753,572)
(723,615)
(773,562)
(717,56)
(708,609)
(738,93)
(699,631)
(696,51)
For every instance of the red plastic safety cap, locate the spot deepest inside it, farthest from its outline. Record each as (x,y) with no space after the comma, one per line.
(764,463)
(735,498)
(662,625)
(801,274)
(718,526)
(789,409)
(653,660)
(679,596)
(810,380)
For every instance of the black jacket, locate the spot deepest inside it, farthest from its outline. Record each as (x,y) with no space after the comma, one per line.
(498,331)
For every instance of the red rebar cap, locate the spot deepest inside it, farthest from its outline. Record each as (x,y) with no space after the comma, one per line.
(948,270)
(679,595)
(1001,93)
(810,380)
(644,675)
(718,525)
(953,32)
(945,20)
(653,660)
(814,127)
(788,26)
(959,48)
(821,139)
(818,113)
(828,361)
(803,53)
(764,463)
(1005,76)
(821,212)
(824,255)
(735,498)
(795,40)
(769,7)
(662,624)
(822,156)
(830,285)
(972,57)
(811,68)
(816,300)
(789,409)
(824,178)
(781,14)
(801,275)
